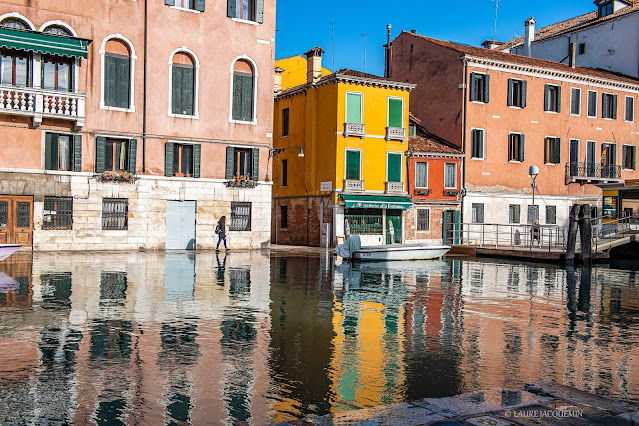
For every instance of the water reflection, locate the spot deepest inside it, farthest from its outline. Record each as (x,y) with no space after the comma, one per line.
(259,337)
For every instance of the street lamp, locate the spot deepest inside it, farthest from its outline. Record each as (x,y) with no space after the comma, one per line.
(276,151)
(533,172)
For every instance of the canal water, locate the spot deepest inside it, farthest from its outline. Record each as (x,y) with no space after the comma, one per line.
(261,337)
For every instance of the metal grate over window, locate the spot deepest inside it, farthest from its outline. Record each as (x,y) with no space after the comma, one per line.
(4,214)
(423,219)
(58,213)
(240,216)
(115,213)
(24,215)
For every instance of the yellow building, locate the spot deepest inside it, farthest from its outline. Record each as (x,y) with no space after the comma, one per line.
(338,155)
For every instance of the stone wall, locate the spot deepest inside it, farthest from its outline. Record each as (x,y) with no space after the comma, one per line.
(303,227)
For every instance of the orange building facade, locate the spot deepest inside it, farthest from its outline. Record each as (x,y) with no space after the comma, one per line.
(123,129)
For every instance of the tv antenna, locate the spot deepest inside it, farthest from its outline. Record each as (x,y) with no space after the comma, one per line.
(365,36)
(496,9)
(333,41)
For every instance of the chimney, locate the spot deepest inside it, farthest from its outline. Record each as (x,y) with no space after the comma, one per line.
(314,65)
(572,55)
(277,80)
(388,51)
(529,35)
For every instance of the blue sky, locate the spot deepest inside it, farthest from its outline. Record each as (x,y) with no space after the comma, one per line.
(302,25)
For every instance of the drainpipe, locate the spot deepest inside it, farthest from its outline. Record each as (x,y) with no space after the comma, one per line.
(465,104)
(146,20)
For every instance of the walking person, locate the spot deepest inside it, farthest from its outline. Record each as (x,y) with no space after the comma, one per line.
(220,230)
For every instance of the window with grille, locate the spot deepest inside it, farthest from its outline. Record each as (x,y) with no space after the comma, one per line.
(58,213)
(240,216)
(115,213)
(477,212)
(514,213)
(551,215)
(423,219)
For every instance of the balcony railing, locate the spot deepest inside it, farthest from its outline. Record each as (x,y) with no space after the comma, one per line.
(394,186)
(353,185)
(592,172)
(39,103)
(395,133)
(353,129)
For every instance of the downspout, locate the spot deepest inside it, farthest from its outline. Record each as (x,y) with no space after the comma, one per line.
(146,20)
(464,105)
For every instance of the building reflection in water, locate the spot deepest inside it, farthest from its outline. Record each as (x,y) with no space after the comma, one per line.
(183,338)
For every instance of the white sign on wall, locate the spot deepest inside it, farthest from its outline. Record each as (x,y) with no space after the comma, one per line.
(326,186)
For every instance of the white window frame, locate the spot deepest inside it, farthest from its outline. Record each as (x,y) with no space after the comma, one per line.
(361,160)
(417,217)
(625,108)
(483,148)
(450,187)
(361,106)
(578,149)
(544,153)
(483,102)
(388,109)
(588,103)
(196,89)
(20,17)
(421,162)
(255,82)
(514,133)
(624,160)
(558,105)
(401,164)
(571,113)
(521,100)
(132,59)
(612,95)
(186,9)
(58,24)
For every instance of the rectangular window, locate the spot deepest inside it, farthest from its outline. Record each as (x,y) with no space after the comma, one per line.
(478,213)
(516,93)
(606,9)
(477,143)
(61,150)
(630,108)
(353,159)
(582,48)
(245,9)
(450,175)
(592,104)
(629,157)
(395,112)
(609,106)
(182,160)
(421,175)
(285,118)
(552,98)
(58,213)
(56,74)
(515,147)
(354,108)
(116,156)
(423,219)
(394,167)
(479,87)
(552,150)
(115,213)
(116,80)
(14,68)
(283,216)
(242,163)
(551,215)
(284,172)
(514,211)
(575,101)
(533,214)
(183,89)
(240,216)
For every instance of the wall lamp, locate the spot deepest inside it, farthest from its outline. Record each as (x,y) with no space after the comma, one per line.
(276,151)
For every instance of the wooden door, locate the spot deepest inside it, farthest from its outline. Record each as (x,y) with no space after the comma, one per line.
(16,220)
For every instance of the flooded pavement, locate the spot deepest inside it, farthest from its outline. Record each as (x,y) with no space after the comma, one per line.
(263,337)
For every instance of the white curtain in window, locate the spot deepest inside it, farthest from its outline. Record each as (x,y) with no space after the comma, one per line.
(64,155)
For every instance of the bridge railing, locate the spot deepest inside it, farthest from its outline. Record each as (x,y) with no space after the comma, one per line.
(608,228)
(515,235)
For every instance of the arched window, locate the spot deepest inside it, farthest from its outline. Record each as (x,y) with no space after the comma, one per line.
(117,74)
(57,30)
(243,91)
(14,24)
(183,80)
(14,64)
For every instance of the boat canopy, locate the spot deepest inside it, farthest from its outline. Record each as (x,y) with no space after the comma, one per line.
(377,202)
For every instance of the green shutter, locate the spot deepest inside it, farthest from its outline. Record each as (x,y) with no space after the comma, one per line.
(613,154)
(176,90)
(230,9)
(259,11)
(352,165)
(230,161)
(188,91)
(473,87)
(486,88)
(395,107)
(614,107)
(547,98)
(237,97)
(510,147)
(133,152)
(510,92)
(100,147)
(110,80)
(354,108)
(557,158)
(480,142)
(199,5)
(77,153)
(521,148)
(51,151)
(558,98)
(168,159)
(624,156)
(247,97)
(197,149)
(394,167)
(255,167)
(523,93)
(169,2)
(122,83)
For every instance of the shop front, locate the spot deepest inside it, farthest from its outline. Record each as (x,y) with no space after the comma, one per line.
(377,219)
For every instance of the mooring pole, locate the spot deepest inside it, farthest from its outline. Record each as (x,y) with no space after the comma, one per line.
(585,229)
(572,234)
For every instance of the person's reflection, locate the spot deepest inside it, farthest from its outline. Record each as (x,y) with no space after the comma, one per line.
(221,266)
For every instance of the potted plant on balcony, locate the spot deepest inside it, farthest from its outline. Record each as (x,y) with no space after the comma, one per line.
(121,176)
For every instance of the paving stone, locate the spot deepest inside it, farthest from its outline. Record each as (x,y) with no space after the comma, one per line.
(575,395)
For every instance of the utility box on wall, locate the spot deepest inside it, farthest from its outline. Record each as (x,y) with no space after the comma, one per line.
(325,235)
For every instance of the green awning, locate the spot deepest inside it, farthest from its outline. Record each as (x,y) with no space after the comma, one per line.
(377,202)
(43,43)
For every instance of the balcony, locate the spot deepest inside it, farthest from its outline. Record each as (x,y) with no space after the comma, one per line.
(353,185)
(592,172)
(39,103)
(353,129)
(395,133)
(392,187)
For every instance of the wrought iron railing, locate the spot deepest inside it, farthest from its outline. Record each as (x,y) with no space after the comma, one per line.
(494,235)
(576,170)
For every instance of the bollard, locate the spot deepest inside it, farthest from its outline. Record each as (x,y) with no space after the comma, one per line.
(572,233)
(585,229)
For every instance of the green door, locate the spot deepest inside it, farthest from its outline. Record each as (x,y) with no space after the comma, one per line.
(451,228)
(394,218)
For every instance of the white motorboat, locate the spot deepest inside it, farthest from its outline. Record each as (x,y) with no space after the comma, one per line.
(7,250)
(401,252)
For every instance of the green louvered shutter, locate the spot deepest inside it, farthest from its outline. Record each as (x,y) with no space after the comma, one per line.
(523,93)
(168,159)
(255,167)
(480,143)
(558,98)
(613,154)
(510,147)
(77,153)
(473,87)
(199,5)
(354,108)
(230,160)
(510,92)
(176,95)
(547,98)
(247,98)
(614,107)
(100,147)
(521,148)
(395,107)
(188,90)
(110,80)
(197,149)
(624,156)
(230,9)
(237,97)
(133,152)
(259,11)
(486,88)
(352,165)
(123,80)
(394,167)
(557,158)
(169,2)
(51,151)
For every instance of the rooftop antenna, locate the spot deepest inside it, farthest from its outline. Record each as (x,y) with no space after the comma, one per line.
(496,9)
(333,38)
(365,36)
